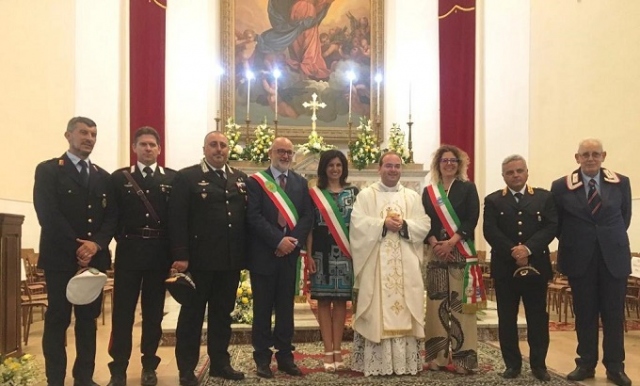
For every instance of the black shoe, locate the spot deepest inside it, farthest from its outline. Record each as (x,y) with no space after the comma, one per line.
(619,378)
(117,380)
(227,372)
(511,373)
(188,379)
(290,368)
(80,383)
(264,371)
(581,373)
(148,378)
(541,374)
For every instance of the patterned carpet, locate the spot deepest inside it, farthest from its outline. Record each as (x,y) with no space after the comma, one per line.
(309,357)
(632,325)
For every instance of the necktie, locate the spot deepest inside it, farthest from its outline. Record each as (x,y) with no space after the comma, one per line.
(148,173)
(84,173)
(220,174)
(593,198)
(518,197)
(283,183)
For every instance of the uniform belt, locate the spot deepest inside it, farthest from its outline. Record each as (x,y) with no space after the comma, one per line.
(145,233)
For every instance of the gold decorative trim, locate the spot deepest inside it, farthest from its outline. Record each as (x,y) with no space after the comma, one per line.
(159,4)
(456,8)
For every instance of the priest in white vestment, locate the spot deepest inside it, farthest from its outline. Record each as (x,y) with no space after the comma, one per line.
(388,227)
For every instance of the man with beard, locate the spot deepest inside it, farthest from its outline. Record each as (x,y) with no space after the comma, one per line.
(207,236)
(280,216)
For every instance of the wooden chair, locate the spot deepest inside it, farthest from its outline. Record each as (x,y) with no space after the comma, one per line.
(28,302)
(556,294)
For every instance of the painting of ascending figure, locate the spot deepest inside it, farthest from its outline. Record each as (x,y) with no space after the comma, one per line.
(313,44)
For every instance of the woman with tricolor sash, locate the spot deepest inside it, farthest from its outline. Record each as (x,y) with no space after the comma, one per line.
(329,253)
(453,278)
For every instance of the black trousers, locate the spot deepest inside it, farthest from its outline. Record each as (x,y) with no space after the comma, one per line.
(127,286)
(599,295)
(218,290)
(273,292)
(533,292)
(56,322)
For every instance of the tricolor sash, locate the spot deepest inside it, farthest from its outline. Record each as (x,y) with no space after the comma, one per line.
(473,294)
(278,197)
(332,216)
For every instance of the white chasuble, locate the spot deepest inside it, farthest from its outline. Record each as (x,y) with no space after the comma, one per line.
(388,279)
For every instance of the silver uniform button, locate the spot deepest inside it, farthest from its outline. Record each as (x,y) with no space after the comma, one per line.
(89,221)
(229,225)
(89,206)
(146,215)
(519,233)
(519,222)
(89,234)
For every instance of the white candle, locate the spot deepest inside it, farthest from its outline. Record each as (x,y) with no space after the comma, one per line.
(249,77)
(378,80)
(276,75)
(351,76)
(409,102)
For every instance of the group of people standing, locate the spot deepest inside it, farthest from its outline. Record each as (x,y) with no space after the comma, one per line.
(365,246)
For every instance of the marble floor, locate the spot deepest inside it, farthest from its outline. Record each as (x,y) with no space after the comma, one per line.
(560,358)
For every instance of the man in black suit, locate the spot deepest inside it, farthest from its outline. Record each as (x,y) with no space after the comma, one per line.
(207,234)
(594,207)
(74,205)
(273,254)
(142,256)
(519,223)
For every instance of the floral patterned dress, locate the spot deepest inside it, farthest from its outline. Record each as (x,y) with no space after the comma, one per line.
(334,271)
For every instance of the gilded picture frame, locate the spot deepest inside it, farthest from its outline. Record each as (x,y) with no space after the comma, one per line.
(262,35)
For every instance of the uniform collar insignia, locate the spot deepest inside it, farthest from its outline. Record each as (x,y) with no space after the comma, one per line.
(133,169)
(530,190)
(61,162)
(204,167)
(610,177)
(161,169)
(574,180)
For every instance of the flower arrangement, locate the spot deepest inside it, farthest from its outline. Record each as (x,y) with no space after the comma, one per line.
(243,312)
(21,371)
(315,144)
(258,150)
(232,131)
(364,150)
(396,143)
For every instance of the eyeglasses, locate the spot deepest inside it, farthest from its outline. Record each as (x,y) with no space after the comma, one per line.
(453,161)
(288,153)
(594,154)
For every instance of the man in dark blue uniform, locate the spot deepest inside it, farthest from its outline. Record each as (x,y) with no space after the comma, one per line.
(594,207)
(519,223)
(207,233)
(142,256)
(74,205)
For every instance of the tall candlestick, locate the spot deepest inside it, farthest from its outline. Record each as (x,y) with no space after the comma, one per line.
(378,80)
(249,77)
(276,75)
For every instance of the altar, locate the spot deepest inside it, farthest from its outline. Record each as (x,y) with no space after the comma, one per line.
(413,175)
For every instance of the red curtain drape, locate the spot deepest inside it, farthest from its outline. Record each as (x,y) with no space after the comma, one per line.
(147,25)
(457,29)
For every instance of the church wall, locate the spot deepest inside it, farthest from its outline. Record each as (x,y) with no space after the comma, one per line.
(584,83)
(37,98)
